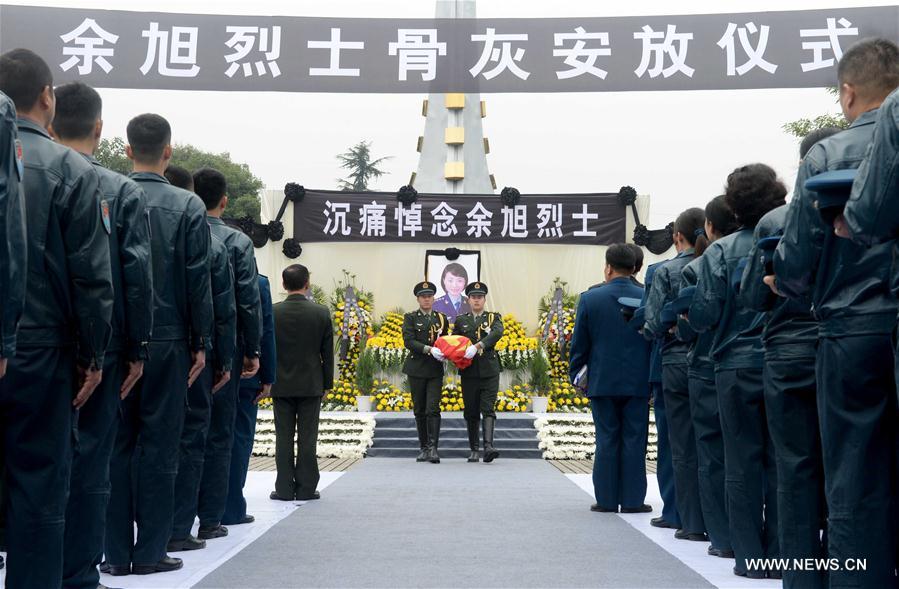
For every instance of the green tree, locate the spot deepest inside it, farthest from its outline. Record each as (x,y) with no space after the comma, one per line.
(803,127)
(361,167)
(243,186)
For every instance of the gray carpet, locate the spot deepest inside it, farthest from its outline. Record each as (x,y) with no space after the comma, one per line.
(395,523)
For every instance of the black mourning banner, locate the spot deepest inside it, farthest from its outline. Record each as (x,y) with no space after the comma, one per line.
(582,219)
(264,53)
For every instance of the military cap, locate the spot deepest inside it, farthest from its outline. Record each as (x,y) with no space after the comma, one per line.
(684,299)
(476,288)
(629,306)
(667,316)
(832,188)
(423,289)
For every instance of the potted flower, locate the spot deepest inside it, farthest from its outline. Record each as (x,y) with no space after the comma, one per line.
(366,367)
(540,381)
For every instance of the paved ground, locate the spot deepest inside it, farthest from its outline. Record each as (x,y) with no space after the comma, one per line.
(395,523)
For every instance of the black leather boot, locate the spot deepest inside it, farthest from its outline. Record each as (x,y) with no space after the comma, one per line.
(422,425)
(474,437)
(433,438)
(490,453)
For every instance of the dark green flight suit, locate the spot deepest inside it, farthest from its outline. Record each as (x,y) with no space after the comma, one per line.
(420,331)
(480,381)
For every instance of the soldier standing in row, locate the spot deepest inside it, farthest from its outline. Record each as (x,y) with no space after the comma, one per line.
(480,381)
(424,367)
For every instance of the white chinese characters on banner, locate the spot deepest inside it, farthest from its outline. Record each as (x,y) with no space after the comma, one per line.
(503,56)
(549,220)
(418,50)
(336,213)
(408,221)
(374,223)
(242,42)
(444,220)
(755,55)
(579,59)
(831,42)
(89,48)
(175,52)
(515,221)
(479,221)
(335,46)
(657,46)
(585,216)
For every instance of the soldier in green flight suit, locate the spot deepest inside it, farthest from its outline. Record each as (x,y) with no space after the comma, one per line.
(480,381)
(424,367)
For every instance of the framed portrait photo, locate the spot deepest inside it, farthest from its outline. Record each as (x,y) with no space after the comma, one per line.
(452,271)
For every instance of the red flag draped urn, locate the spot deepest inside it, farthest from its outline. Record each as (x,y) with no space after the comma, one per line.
(453,347)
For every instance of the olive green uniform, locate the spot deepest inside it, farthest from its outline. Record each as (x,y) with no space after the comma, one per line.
(420,331)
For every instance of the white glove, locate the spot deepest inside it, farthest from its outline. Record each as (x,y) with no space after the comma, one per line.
(471,351)
(438,355)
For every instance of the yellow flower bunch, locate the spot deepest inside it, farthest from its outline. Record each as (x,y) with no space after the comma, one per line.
(342,397)
(515,349)
(387,344)
(386,397)
(567,398)
(515,399)
(451,395)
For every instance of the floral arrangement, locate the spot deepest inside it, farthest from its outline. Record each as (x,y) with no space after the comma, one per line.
(451,395)
(359,323)
(339,436)
(566,398)
(386,397)
(387,344)
(566,438)
(556,339)
(515,349)
(342,397)
(515,399)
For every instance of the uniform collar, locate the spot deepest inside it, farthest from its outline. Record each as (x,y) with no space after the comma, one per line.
(296,297)
(687,252)
(150,176)
(866,118)
(214,220)
(28,125)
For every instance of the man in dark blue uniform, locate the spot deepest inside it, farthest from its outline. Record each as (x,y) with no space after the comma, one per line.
(219,358)
(13,248)
(675,383)
(210,185)
(63,332)
(617,358)
(78,124)
(143,476)
(252,390)
(849,285)
(215,375)
(664,466)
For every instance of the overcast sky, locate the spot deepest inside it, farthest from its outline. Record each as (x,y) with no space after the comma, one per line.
(678,147)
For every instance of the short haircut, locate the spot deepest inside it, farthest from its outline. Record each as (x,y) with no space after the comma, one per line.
(689,223)
(814,137)
(456,269)
(148,134)
(872,66)
(178,176)
(23,76)
(295,277)
(78,108)
(638,256)
(210,185)
(621,258)
(752,191)
(719,214)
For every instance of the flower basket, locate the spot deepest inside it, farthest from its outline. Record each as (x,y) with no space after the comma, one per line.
(363,403)
(538,404)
